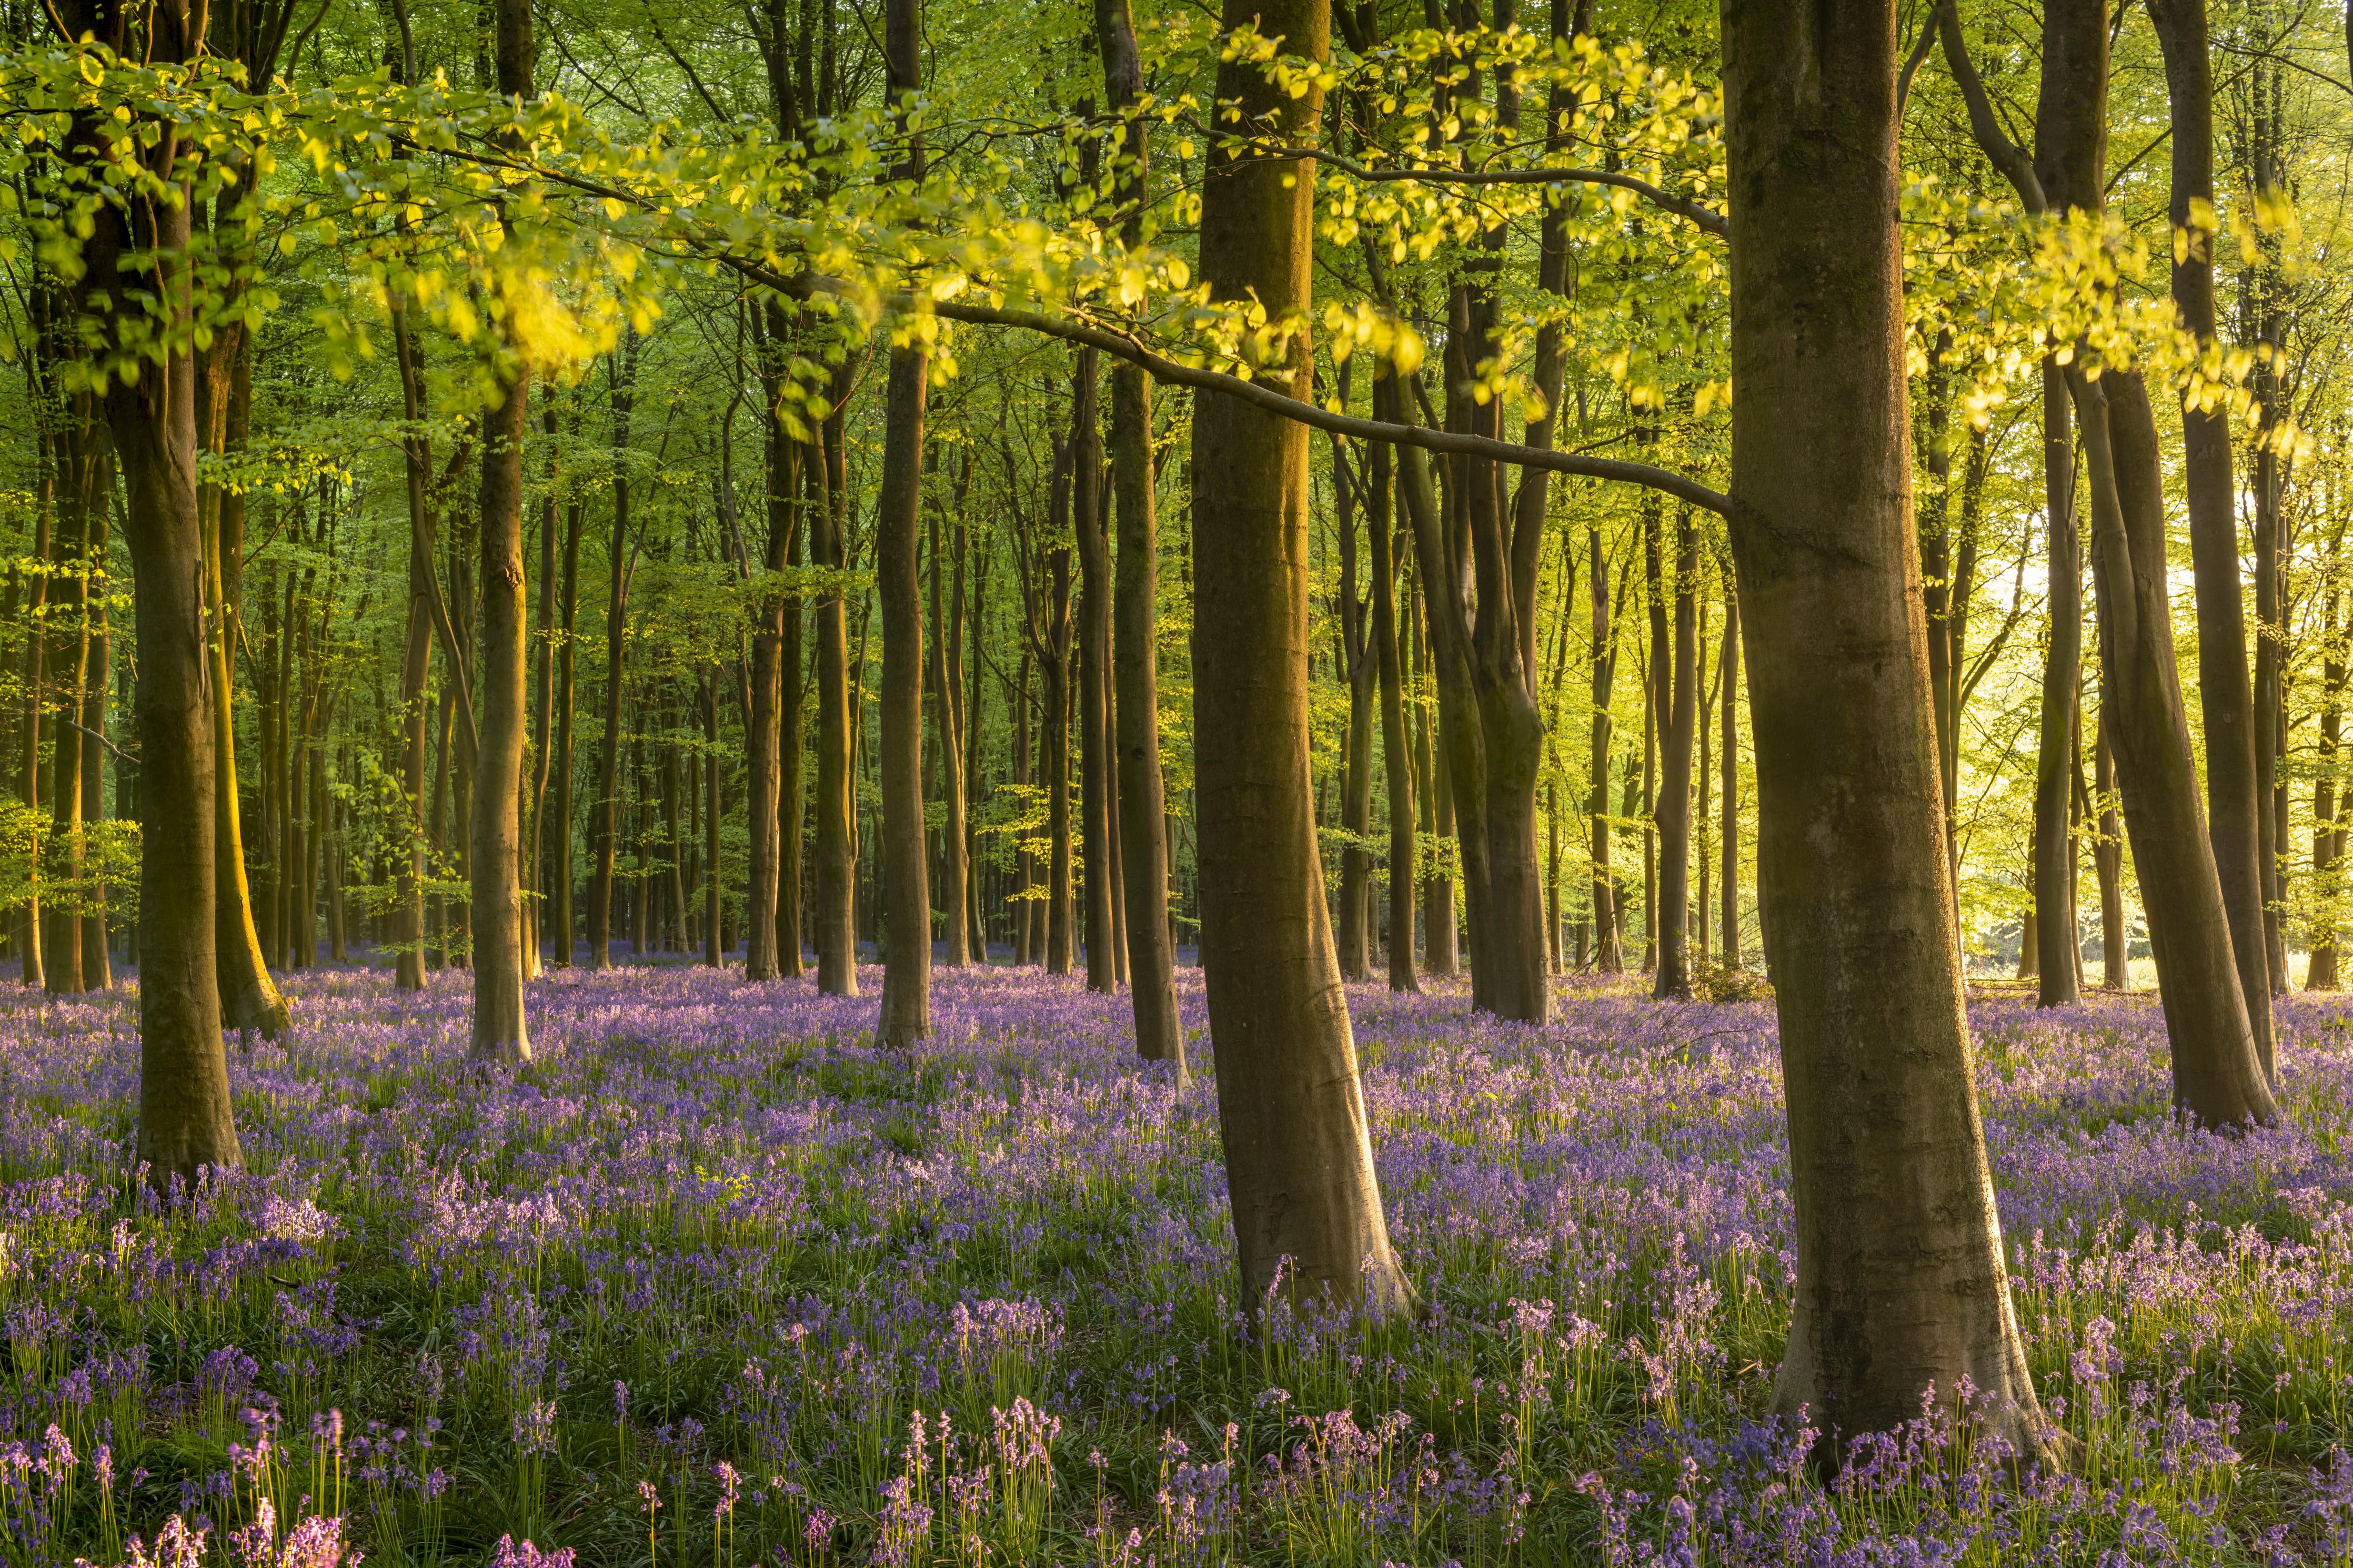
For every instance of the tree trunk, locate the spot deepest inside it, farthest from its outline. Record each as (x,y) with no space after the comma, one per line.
(2063,667)
(499,1034)
(1396,762)
(1135,666)
(2217,1075)
(604,827)
(1609,954)
(97,973)
(248,998)
(2218,1078)
(1900,1281)
(1095,675)
(2235,801)
(2320,971)
(1730,663)
(185,1120)
(1674,810)
(1306,1202)
(836,915)
(906,1013)
(948,696)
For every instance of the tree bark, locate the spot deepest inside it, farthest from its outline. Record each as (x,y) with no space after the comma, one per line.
(1730,663)
(947,698)
(2063,673)
(1900,1287)
(906,1013)
(1674,810)
(1396,762)
(2218,1078)
(1135,595)
(185,1119)
(836,914)
(2234,799)
(1306,1203)
(1095,674)
(500,1032)
(605,824)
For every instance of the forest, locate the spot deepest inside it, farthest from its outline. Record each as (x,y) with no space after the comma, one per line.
(823,781)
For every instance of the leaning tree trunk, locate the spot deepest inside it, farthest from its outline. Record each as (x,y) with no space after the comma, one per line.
(1900,1286)
(906,1015)
(2218,1078)
(250,1002)
(2233,800)
(1299,1160)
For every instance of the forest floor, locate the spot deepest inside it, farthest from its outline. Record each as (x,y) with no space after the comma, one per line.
(711,1283)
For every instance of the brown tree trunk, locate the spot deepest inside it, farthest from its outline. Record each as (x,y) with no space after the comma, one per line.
(2216,1076)
(764,745)
(499,1034)
(2217,1073)
(605,822)
(2235,801)
(97,972)
(1306,1203)
(2320,971)
(1095,675)
(1673,813)
(81,505)
(1730,663)
(1609,954)
(2108,858)
(1900,1281)
(949,717)
(2062,672)
(836,914)
(185,1122)
(906,1012)
(248,998)
(1396,762)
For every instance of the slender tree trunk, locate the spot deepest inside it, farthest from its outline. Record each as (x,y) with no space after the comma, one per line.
(1306,1202)
(1609,955)
(28,729)
(1134,670)
(97,973)
(2109,861)
(1900,1286)
(906,1014)
(1396,762)
(946,664)
(2234,723)
(605,824)
(61,944)
(1673,811)
(2063,662)
(500,1033)
(2320,971)
(248,998)
(1095,675)
(837,854)
(1730,664)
